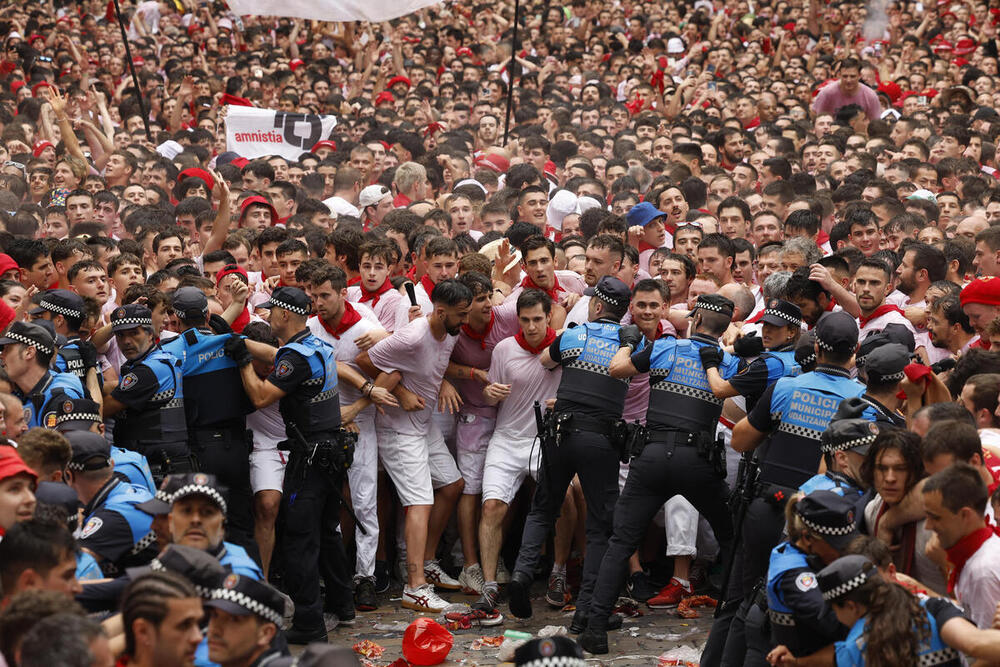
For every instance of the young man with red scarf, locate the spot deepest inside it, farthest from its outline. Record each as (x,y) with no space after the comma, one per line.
(538,261)
(440,262)
(872,284)
(375,289)
(515,381)
(338,323)
(955,501)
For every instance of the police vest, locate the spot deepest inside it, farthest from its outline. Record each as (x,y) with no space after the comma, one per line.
(831,481)
(122,498)
(235,559)
(39,406)
(68,360)
(87,568)
(162,420)
(320,413)
(803,406)
(931,651)
(213,390)
(586,386)
(135,467)
(680,396)
(878,413)
(787,561)
(780,364)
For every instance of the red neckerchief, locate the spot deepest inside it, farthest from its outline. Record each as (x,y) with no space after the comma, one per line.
(242,321)
(879,312)
(643,246)
(756,318)
(528,283)
(412,273)
(481,337)
(982,344)
(348,320)
(354,281)
(751,124)
(822,238)
(993,468)
(550,335)
(428,284)
(963,550)
(377,294)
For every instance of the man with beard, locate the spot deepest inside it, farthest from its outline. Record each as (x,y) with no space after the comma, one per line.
(604,257)
(948,326)
(922,264)
(244,616)
(872,283)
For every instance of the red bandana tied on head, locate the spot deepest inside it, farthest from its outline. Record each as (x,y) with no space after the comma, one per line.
(377,294)
(550,335)
(349,319)
(528,283)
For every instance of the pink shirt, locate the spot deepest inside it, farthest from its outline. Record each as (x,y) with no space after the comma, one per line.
(471,352)
(569,282)
(529,382)
(831,97)
(422,359)
(403,305)
(386,307)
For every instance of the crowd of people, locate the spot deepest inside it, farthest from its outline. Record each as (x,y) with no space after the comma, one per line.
(666,300)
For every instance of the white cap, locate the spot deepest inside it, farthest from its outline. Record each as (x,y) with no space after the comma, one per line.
(471,181)
(169,149)
(492,251)
(926,195)
(224,23)
(584,204)
(372,195)
(675,45)
(563,203)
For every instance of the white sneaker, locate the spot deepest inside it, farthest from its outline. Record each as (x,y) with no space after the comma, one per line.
(423,598)
(503,574)
(437,576)
(472,580)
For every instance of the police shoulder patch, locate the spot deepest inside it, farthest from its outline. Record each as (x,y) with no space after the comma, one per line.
(129,381)
(92,527)
(806,581)
(283,368)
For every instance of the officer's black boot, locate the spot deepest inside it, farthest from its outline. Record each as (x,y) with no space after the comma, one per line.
(580,619)
(305,636)
(594,641)
(518,591)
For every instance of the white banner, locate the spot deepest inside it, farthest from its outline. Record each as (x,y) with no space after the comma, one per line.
(331,10)
(253,132)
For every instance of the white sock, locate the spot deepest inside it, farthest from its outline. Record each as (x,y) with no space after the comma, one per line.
(682,582)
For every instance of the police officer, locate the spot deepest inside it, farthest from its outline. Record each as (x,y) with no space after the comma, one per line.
(149,397)
(884,373)
(216,407)
(820,527)
(845,443)
(781,329)
(66,311)
(588,409)
(244,618)
(681,455)
(790,416)
(27,352)
(83,414)
(304,383)
(115,532)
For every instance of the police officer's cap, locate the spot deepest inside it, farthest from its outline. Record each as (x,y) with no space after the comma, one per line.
(291,299)
(885,364)
(550,651)
(868,345)
(845,575)
(160,503)
(610,290)
(91,451)
(50,328)
(131,316)
(30,334)
(196,565)
(898,333)
(805,351)
(837,332)
(201,484)
(243,596)
(715,303)
(830,516)
(61,302)
(60,495)
(781,313)
(320,655)
(190,302)
(77,414)
(856,435)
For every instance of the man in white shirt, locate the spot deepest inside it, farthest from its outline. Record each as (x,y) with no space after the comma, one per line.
(346,187)
(440,263)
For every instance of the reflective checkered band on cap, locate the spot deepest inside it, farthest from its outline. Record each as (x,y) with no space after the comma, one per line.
(61,310)
(164,496)
(827,530)
(556,661)
(895,377)
(825,346)
(156,566)
(287,306)
(604,297)
(709,306)
(13,335)
(846,587)
(808,360)
(784,316)
(939,657)
(78,416)
(850,444)
(191,489)
(141,321)
(148,540)
(82,466)
(248,603)
(779,618)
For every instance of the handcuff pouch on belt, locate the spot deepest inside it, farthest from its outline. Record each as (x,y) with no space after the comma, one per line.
(636,437)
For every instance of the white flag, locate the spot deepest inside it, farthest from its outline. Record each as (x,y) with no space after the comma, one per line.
(331,10)
(252,132)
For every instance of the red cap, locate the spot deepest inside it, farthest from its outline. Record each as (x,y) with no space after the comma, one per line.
(951,14)
(944,46)
(7,263)
(384,97)
(985,290)
(494,162)
(230,269)
(245,206)
(239,162)
(41,84)
(17,85)
(463,51)
(399,79)
(195,172)
(234,100)
(32,38)
(193,28)
(11,465)
(790,26)
(965,46)
(959,62)
(297,63)
(138,61)
(325,143)
(39,147)
(891,89)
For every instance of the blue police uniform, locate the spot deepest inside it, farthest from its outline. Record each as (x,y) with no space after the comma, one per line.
(235,559)
(881,415)
(153,423)
(116,530)
(592,401)
(87,567)
(135,467)
(680,457)
(216,407)
(41,404)
(765,370)
(932,651)
(837,482)
(306,370)
(800,619)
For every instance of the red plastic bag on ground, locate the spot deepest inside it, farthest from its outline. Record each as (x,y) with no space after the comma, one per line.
(426,642)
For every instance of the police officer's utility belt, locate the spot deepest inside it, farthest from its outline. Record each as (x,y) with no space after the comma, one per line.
(331,451)
(709,448)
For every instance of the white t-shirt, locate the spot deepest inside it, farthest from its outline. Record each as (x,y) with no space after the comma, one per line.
(386,307)
(978,585)
(345,351)
(267,426)
(529,382)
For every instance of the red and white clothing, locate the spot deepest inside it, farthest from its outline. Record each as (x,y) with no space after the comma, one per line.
(422,290)
(384,301)
(566,282)
(880,317)
(977,585)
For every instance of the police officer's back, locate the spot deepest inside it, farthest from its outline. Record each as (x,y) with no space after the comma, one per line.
(115,532)
(149,398)
(884,371)
(66,311)
(27,353)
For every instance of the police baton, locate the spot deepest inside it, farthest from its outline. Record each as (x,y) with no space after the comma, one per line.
(745,487)
(336,490)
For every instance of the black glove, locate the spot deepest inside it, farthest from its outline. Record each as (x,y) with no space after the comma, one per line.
(711,356)
(749,346)
(236,349)
(630,335)
(88,353)
(219,325)
(850,408)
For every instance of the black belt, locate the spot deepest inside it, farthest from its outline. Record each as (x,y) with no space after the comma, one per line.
(776,494)
(673,437)
(589,424)
(209,431)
